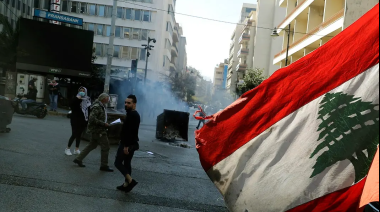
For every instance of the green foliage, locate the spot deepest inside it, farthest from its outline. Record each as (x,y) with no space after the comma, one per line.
(252,79)
(341,115)
(182,85)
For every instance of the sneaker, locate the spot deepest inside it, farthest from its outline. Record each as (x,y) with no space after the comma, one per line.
(68,152)
(76,152)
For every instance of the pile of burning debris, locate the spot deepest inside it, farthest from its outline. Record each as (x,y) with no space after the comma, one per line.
(171,133)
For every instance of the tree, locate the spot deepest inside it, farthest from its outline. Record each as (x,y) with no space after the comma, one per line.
(182,85)
(252,79)
(349,127)
(9,44)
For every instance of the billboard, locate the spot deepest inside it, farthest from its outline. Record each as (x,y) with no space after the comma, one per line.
(55,49)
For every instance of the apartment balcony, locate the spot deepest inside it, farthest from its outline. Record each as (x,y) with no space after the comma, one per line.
(329,26)
(302,6)
(245,37)
(243,53)
(231,54)
(173,67)
(175,35)
(174,51)
(241,67)
(282,3)
(248,24)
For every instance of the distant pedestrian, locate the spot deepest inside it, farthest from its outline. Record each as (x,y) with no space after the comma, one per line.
(203,115)
(79,119)
(53,94)
(129,144)
(97,127)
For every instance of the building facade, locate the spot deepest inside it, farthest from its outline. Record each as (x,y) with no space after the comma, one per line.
(136,22)
(238,49)
(219,80)
(315,22)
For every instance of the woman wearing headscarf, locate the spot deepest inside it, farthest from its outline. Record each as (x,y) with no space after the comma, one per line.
(79,118)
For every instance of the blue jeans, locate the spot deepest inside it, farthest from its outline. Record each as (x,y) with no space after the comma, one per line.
(53,101)
(25,102)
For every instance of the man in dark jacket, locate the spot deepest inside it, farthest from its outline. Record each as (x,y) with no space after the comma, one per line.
(129,144)
(31,97)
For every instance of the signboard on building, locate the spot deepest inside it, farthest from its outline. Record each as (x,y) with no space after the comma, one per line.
(58,17)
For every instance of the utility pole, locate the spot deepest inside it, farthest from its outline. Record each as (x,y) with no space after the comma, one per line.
(148,47)
(110,49)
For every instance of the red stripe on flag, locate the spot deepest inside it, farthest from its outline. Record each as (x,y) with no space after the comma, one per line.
(346,200)
(347,55)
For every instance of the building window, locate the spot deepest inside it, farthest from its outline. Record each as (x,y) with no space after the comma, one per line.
(126,53)
(83,7)
(119,12)
(147,16)
(19,5)
(129,14)
(116,51)
(91,27)
(23,8)
(135,53)
(65,6)
(108,31)
(74,7)
(136,34)
(137,15)
(92,9)
(99,29)
(118,32)
(99,49)
(29,10)
(142,54)
(109,11)
(127,33)
(168,44)
(13,3)
(102,11)
(169,28)
(144,34)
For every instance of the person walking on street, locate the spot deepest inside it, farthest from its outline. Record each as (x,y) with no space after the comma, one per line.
(53,94)
(203,115)
(129,144)
(79,119)
(31,97)
(97,127)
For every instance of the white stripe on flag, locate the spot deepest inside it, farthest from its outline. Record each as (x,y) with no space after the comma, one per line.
(272,171)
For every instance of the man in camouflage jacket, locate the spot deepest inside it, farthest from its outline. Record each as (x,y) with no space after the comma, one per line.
(97,128)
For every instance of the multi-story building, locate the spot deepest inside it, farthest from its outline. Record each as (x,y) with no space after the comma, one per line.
(136,22)
(220,75)
(257,49)
(182,53)
(315,22)
(238,50)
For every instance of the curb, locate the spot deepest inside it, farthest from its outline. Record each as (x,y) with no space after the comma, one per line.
(51,113)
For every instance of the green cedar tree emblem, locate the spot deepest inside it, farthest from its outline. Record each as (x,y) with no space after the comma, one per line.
(349,131)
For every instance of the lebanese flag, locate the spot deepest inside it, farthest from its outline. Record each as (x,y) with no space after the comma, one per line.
(304,140)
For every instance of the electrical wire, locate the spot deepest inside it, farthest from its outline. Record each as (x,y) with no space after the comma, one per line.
(215,20)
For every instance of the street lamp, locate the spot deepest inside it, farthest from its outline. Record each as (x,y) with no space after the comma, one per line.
(275,34)
(148,47)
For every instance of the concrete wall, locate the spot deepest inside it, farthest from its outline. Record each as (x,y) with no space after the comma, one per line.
(356,9)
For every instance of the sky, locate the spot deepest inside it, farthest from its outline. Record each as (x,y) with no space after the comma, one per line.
(208,42)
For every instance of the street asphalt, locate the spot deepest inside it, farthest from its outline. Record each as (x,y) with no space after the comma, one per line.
(35,175)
